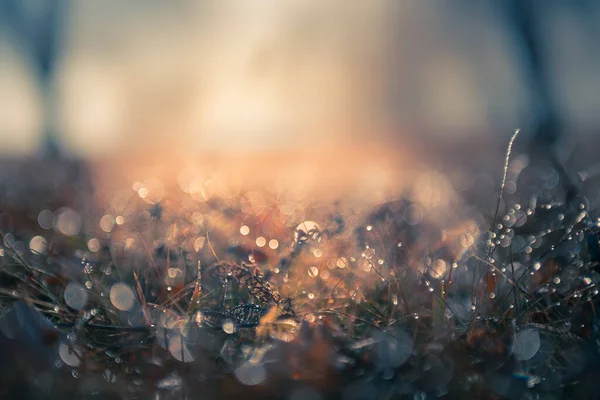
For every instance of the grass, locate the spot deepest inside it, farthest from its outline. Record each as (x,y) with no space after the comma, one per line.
(233,296)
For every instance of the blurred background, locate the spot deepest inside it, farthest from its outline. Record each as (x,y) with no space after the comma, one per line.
(147,83)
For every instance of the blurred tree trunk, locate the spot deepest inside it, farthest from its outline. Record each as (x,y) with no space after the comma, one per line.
(37,26)
(525,20)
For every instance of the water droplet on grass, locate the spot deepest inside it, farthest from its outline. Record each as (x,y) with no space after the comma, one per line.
(251,374)
(122,296)
(75,295)
(45,219)
(342,262)
(68,355)
(38,245)
(393,349)
(228,327)
(307,230)
(527,344)
(107,222)
(179,350)
(93,245)
(68,222)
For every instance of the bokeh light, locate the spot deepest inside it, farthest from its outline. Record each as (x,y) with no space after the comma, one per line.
(122,296)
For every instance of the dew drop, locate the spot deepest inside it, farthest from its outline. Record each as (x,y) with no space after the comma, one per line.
(179,350)
(251,374)
(341,262)
(75,295)
(69,356)
(467,240)
(228,327)
(45,219)
(122,296)
(307,230)
(68,222)
(199,243)
(38,245)
(93,245)
(393,349)
(527,343)
(107,222)
(439,268)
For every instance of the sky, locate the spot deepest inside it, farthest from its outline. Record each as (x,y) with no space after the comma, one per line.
(266,74)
